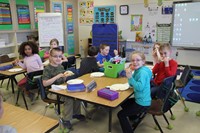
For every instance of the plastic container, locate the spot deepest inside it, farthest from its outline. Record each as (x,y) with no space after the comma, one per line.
(111,70)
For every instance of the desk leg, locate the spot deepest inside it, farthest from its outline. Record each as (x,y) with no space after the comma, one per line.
(12,84)
(58,99)
(110,120)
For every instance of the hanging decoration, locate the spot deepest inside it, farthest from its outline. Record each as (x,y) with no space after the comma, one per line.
(146,3)
(160,2)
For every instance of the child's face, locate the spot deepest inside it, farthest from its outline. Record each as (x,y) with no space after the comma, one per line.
(53,45)
(165,52)
(105,51)
(56,58)
(137,61)
(28,50)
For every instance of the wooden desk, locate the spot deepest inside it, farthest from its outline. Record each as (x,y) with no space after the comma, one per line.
(12,75)
(26,121)
(92,97)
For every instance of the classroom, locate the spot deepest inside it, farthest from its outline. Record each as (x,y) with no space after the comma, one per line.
(98,66)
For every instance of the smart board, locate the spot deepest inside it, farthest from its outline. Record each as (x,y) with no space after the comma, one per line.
(186,21)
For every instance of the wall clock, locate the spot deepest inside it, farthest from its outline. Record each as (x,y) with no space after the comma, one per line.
(124,10)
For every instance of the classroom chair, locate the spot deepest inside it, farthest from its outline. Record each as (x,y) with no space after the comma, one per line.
(4,59)
(182,82)
(28,83)
(70,63)
(166,99)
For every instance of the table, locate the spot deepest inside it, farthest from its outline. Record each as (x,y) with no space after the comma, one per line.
(26,121)
(92,97)
(12,75)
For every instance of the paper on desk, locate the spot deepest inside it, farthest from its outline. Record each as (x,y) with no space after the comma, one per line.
(58,87)
(46,63)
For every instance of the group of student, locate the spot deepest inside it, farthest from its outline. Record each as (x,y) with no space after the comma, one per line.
(145,88)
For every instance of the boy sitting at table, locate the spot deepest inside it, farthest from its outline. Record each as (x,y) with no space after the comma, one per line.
(54,73)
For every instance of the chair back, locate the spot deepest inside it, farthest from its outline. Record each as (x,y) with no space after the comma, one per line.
(185,77)
(71,61)
(167,94)
(41,88)
(31,83)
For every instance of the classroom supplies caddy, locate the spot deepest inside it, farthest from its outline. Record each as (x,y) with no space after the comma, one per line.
(114,66)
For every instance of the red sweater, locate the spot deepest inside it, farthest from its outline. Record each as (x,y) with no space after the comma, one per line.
(163,72)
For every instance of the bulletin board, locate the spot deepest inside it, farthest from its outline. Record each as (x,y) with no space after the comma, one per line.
(105,33)
(50,25)
(151,16)
(5,22)
(23,14)
(104,14)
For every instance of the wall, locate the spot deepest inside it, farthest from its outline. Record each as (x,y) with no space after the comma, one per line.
(185,57)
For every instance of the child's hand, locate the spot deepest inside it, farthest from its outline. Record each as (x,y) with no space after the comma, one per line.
(116,52)
(131,67)
(61,75)
(15,62)
(128,73)
(166,61)
(100,65)
(68,73)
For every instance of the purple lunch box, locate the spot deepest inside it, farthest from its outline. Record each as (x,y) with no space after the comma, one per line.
(108,94)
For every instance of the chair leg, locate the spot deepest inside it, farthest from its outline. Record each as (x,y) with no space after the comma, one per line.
(8,84)
(2,82)
(45,110)
(24,100)
(169,125)
(172,115)
(155,120)
(86,111)
(17,97)
(182,100)
(141,117)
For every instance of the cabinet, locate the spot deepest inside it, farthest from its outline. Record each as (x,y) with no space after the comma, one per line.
(127,47)
(11,38)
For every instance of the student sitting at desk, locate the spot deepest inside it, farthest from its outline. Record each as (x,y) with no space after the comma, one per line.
(31,62)
(140,81)
(165,67)
(104,55)
(54,43)
(89,64)
(5,128)
(54,73)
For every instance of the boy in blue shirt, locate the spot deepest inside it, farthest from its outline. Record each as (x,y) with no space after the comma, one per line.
(104,55)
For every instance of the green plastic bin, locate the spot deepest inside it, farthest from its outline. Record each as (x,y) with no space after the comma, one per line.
(112,70)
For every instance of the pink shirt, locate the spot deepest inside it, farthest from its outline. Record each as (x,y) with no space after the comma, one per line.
(32,63)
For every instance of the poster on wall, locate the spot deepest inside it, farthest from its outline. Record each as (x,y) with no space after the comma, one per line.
(23,14)
(5,14)
(38,9)
(86,9)
(70,29)
(104,14)
(57,7)
(136,22)
(163,32)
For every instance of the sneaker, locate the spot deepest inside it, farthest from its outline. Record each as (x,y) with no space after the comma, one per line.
(67,124)
(80,117)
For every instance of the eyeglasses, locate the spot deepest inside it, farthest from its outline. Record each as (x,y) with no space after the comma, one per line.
(56,56)
(137,60)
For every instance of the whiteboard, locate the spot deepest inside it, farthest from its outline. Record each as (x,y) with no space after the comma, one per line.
(50,25)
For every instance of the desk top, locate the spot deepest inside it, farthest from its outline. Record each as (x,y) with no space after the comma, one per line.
(92,97)
(26,121)
(7,73)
